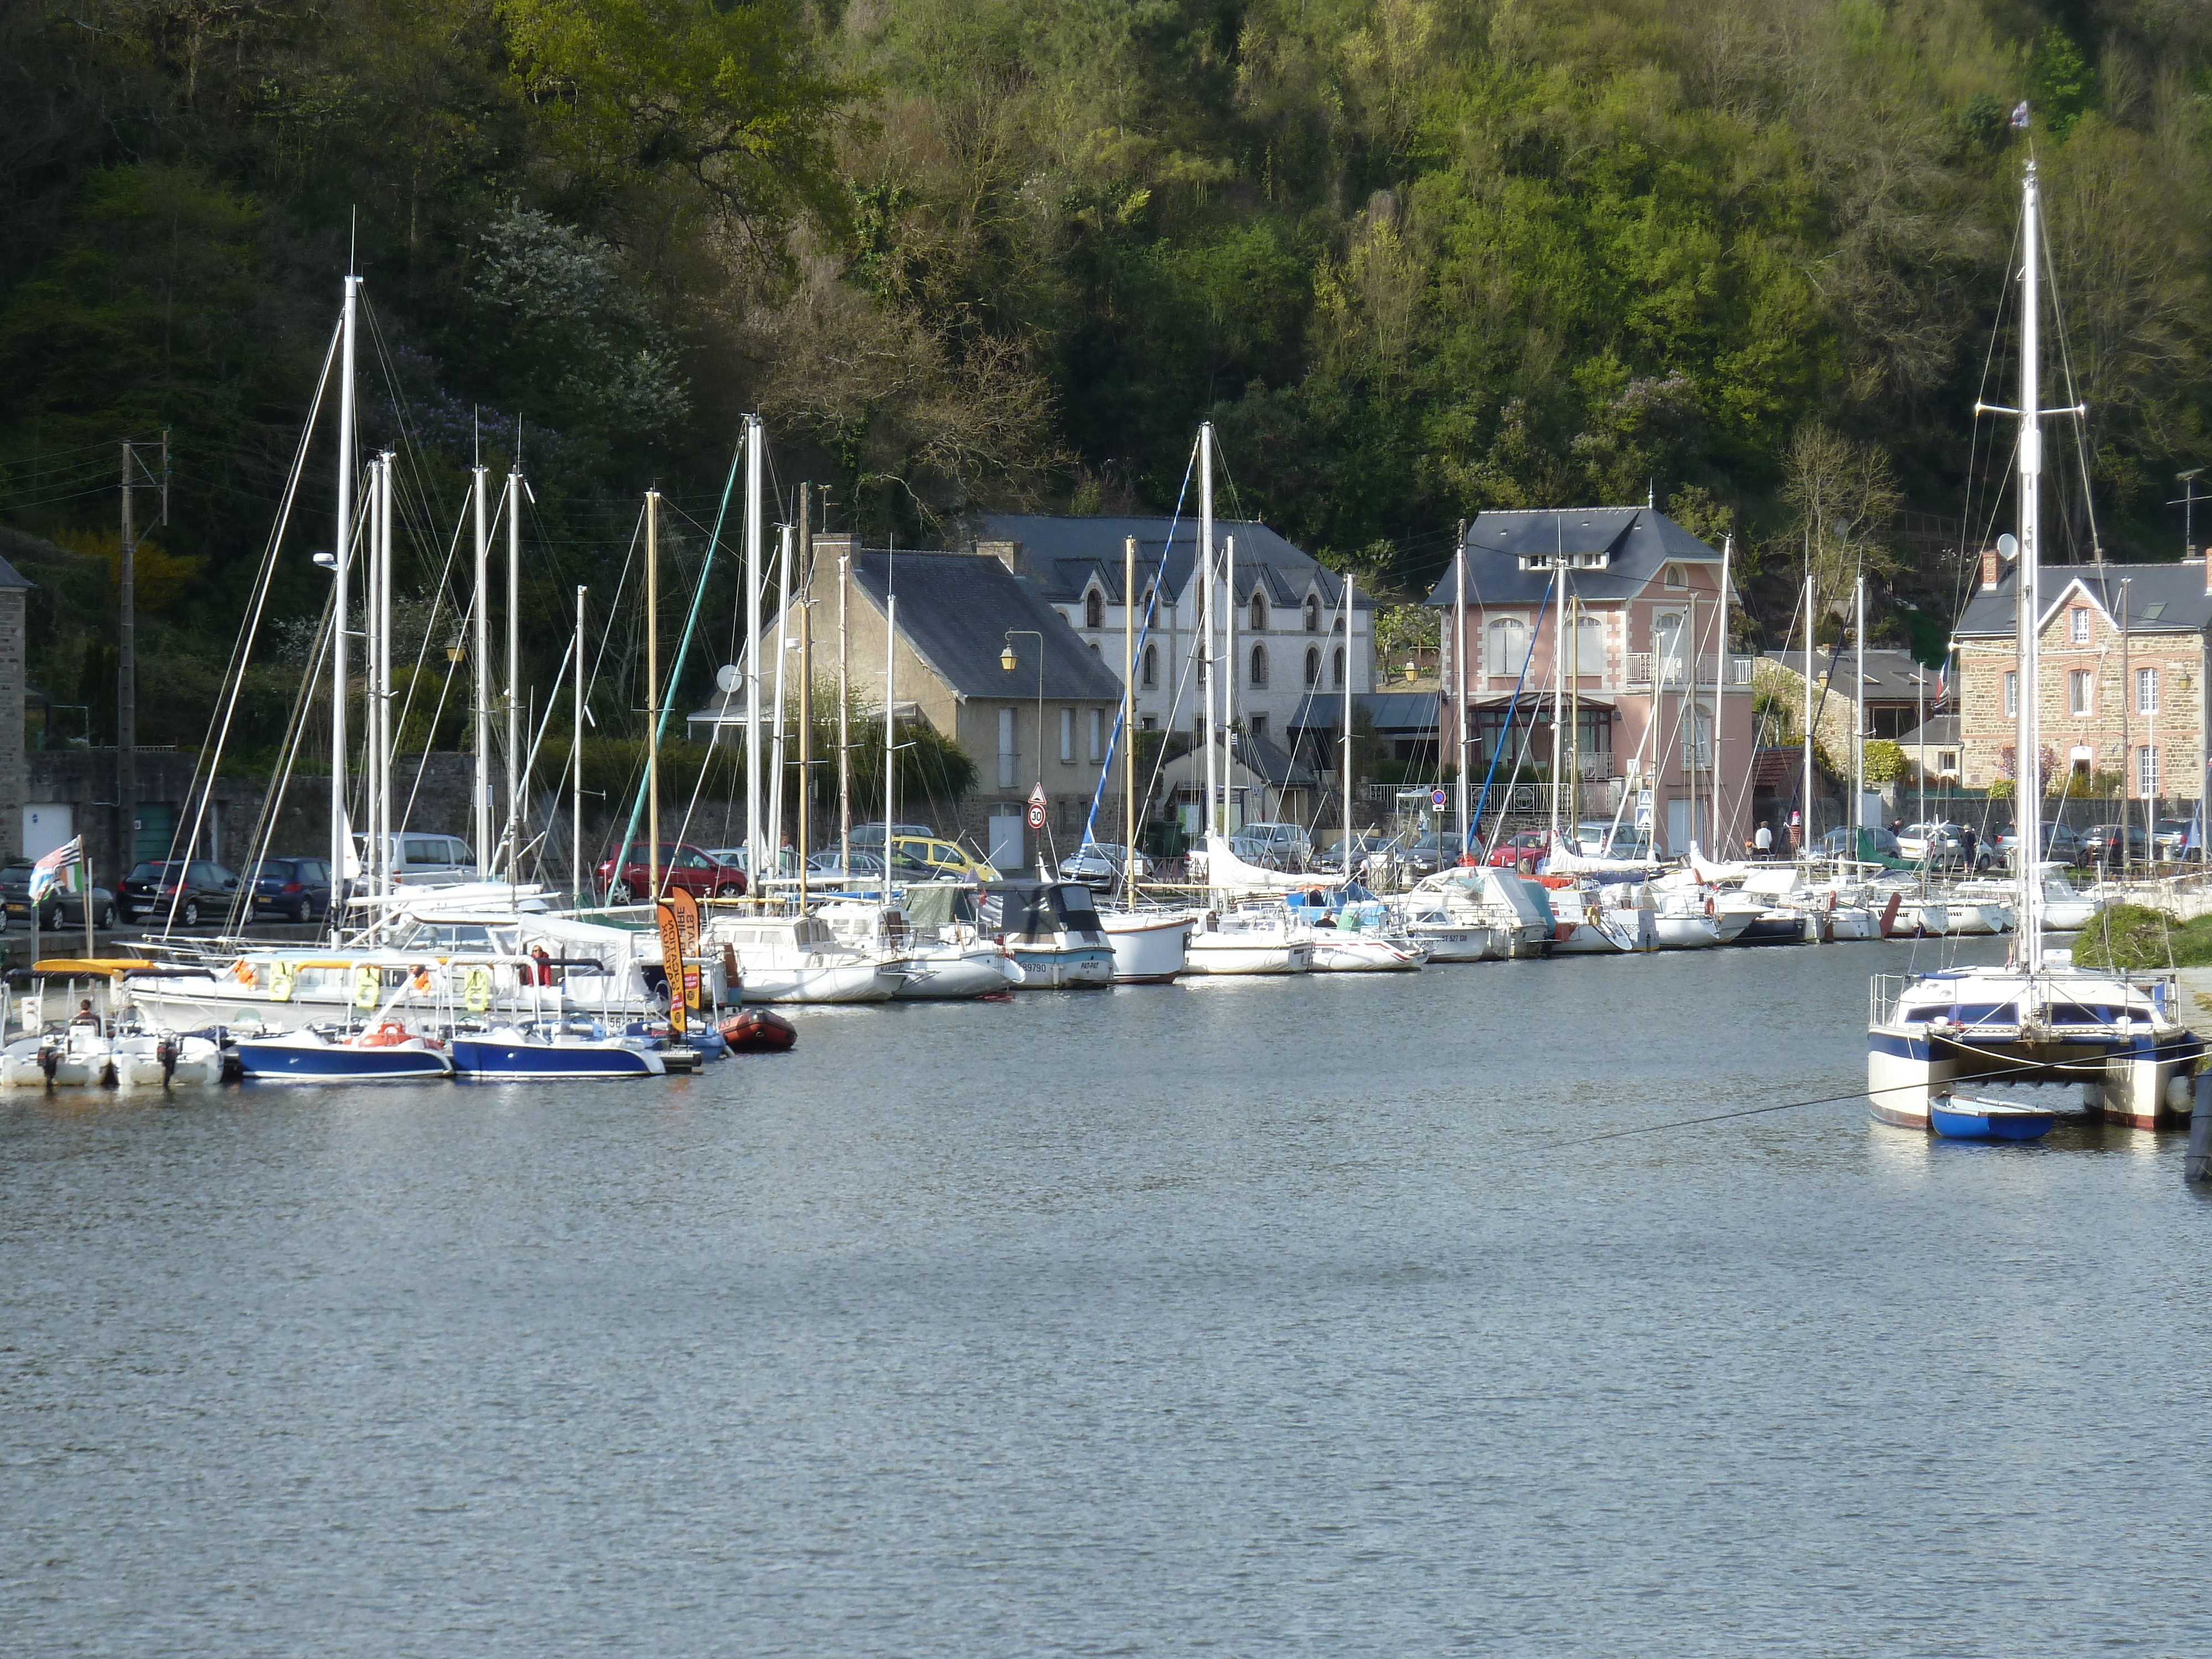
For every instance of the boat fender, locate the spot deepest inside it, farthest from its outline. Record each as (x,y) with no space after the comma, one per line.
(281,978)
(242,971)
(367,983)
(476,990)
(2199,1165)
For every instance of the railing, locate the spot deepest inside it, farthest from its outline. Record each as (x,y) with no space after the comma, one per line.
(1884,992)
(1639,666)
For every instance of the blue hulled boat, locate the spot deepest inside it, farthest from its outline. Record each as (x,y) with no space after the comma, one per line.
(530,1054)
(1958,1119)
(385,1054)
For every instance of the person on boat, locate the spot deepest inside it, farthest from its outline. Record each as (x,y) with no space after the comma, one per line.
(419,977)
(545,969)
(1763,842)
(84,1016)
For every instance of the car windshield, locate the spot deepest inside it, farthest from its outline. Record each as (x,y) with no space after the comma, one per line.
(155,871)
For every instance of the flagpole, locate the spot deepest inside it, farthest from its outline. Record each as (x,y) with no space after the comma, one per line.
(84,895)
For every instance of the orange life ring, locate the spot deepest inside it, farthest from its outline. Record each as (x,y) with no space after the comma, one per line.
(242,971)
(389,1034)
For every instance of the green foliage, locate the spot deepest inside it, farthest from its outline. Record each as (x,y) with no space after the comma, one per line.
(1885,761)
(2131,936)
(2064,86)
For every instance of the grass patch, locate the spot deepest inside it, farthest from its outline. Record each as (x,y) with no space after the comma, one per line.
(2131,936)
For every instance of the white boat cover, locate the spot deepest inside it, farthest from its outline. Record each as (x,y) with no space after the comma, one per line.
(1227,874)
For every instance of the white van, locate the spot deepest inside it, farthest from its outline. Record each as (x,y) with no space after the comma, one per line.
(422,860)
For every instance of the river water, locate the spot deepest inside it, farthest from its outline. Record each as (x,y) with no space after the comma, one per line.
(1237,1317)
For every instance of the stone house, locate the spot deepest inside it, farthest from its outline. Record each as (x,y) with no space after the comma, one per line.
(2123,675)
(1291,636)
(1654,706)
(957,614)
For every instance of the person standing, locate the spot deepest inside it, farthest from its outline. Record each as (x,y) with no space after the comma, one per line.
(1968,841)
(1764,841)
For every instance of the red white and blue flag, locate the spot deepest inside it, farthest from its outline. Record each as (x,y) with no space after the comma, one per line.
(63,868)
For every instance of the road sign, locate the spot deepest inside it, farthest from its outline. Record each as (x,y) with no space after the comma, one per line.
(1644,809)
(1037,795)
(1037,816)
(1436,797)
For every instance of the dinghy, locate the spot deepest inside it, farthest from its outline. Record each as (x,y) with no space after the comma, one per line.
(1956,1117)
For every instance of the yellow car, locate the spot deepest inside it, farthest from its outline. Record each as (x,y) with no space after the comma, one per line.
(937,859)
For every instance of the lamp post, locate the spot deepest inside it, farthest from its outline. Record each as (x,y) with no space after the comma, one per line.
(1010,662)
(2188,506)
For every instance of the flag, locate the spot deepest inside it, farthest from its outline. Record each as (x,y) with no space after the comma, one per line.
(63,868)
(2019,115)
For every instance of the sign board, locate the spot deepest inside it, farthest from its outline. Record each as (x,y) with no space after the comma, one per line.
(672,962)
(1037,795)
(1437,798)
(687,935)
(1037,816)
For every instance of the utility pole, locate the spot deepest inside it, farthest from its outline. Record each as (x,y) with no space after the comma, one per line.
(126,686)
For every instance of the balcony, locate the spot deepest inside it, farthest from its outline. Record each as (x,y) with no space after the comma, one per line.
(1640,664)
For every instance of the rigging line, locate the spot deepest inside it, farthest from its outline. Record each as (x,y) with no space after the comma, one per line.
(2081,446)
(1159,578)
(1506,733)
(272,803)
(439,596)
(242,651)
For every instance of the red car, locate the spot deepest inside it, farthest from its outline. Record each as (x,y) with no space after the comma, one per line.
(681,866)
(1523,844)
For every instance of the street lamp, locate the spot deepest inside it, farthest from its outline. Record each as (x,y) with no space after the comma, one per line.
(2187,504)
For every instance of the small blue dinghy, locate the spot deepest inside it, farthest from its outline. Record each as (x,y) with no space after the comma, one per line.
(1956,1119)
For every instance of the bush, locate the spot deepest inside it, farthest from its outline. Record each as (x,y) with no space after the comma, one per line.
(2134,936)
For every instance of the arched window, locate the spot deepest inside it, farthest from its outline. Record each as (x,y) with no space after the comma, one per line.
(1313,664)
(1313,614)
(1589,646)
(1259,664)
(1336,626)
(1509,645)
(1094,608)
(1151,665)
(1337,669)
(1259,613)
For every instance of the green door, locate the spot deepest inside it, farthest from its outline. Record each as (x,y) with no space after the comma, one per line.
(156,827)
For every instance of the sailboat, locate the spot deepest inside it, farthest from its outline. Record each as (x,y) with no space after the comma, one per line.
(2118,1036)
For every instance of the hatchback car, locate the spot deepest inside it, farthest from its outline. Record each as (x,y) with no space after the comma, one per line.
(1523,844)
(697,872)
(2060,844)
(57,909)
(297,888)
(933,857)
(191,891)
(2169,840)
(1291,847)
(2100,844)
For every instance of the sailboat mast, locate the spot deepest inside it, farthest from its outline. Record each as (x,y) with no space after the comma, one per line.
(1207,625)
(1805,835)
(1348,597)
(480,799)
(890,720)
(1558,699)
(755,853)
(845,727)
(341,559)
(775,827)
(514,672)
(1720,691)
(1229,659)
(1459,686)
(381,645)
(1858,735)
(652,701)
(576,766)
(1129,720)
(2027,769)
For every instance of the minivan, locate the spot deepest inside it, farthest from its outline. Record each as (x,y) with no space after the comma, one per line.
(426,861)
(1288,846)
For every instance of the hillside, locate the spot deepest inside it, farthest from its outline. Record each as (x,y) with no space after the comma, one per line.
(1416,259)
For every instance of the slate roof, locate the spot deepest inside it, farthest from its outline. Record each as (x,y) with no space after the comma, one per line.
(1942,732)
(1890,675)
(1638,541)
(1395,714)
(2162,598)
(1064,552)
(11,577)
(1279,770)
(954,609)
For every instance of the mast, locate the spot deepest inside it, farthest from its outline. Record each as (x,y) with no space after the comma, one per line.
(1575,720)
(774,826)
(1348,596)
(2027,770)
(1207,627)
(890,720)
(381,646)
(514,668)
(1720,693)
(1228,680)
(341,561)
(1558,700)
(845,730)
(806,685)
(480,800)
(1686,709)
(576,759)
(1805,835)
(1459,685)
(1858,733)
(757,857)
(1129,720)
(651,707)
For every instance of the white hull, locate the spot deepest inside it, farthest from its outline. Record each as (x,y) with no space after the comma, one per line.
(865,981)
(951,973)
(1363,956)
(1452,941)
(1212,953)
(1149,947)
(1686,933)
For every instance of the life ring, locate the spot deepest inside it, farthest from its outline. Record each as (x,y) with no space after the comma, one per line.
(476,990)
(281,977)
(368,987)
(388,1035)
(243,972)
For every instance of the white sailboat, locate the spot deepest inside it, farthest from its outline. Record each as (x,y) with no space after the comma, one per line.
(2118,1037)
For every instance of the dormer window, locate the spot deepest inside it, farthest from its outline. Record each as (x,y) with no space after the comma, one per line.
(2077,624)
(1313,613)
(1259,613)
(1675,576)
(1094,608)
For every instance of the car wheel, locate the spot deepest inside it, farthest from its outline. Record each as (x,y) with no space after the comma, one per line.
(107,917)
(50,919)
(622,893)
(729,890)
(190,914)
(299,909)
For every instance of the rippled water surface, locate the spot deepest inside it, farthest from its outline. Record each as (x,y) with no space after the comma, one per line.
(1247,1318)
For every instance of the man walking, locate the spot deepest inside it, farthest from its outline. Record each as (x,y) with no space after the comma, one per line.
(1764,841)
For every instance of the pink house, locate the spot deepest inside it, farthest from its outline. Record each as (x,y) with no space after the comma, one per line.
(1657,719)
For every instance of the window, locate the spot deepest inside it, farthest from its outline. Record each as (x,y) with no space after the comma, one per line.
(1094,608)
(1147,723)
(1066,736)
(1336,670)
(1589,646)
(1697,738)
(2146,691)
(2077,691)
(1258,725)
(1509,645)
(1259,665)
(2012,694)
(1098,734)
(1151,671)
(1009,758)
(1259,613)
(1313,664)
(1946,761)
(2077,624)
(1313,614)
(2147,771)
(1674,577)
(1666,631)
(1094,650)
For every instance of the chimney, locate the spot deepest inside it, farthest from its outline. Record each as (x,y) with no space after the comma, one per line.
(836,547)
(1008,554)
(2208,570)
(1992,568)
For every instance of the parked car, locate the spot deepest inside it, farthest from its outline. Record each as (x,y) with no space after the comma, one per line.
(697,872)
(2060,844)
(1521,844)
(831,862)
(191,891)
(1425,855)
(57,909)
(2167,837)
(2100,844)
(1875,841)
(1601,838)
(1371,844)
(738,859)
(1931,843)
(297,888)
(1291,847)
(872,835)
(1100,864)
(425,860)
(930,857)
